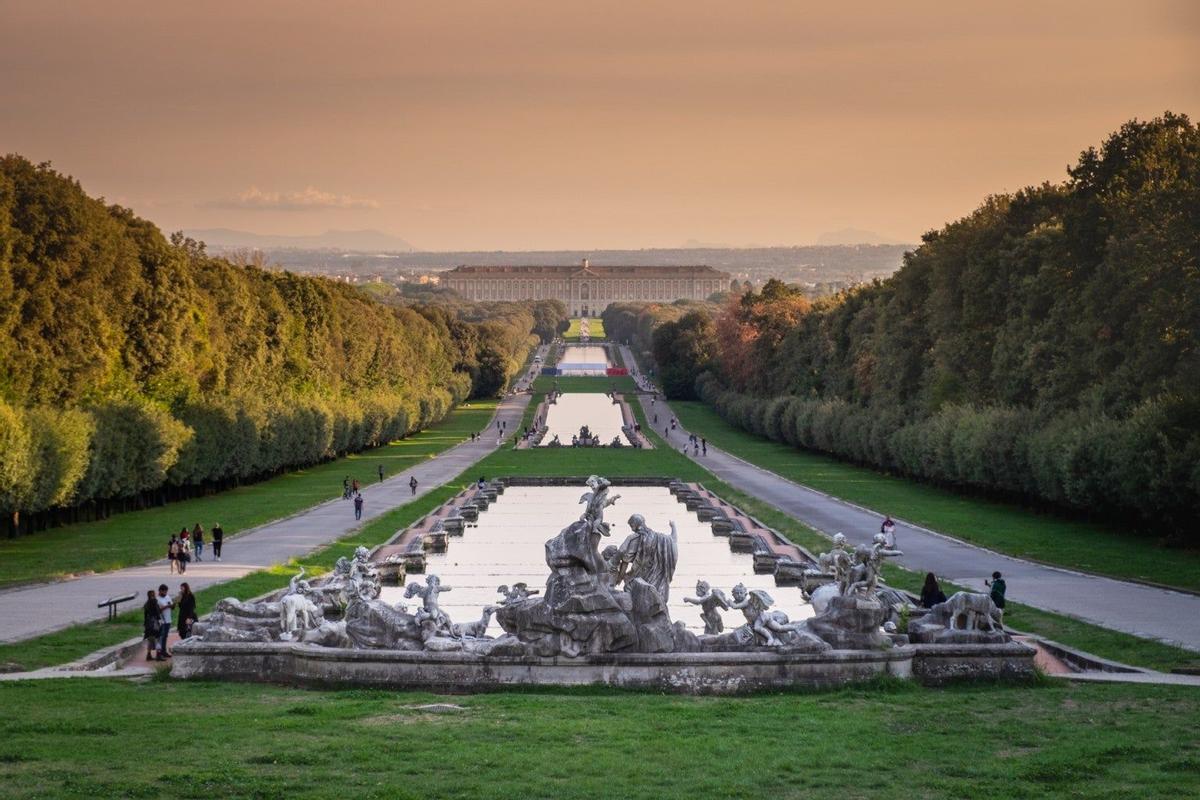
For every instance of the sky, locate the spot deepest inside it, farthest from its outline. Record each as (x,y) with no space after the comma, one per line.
(572,125)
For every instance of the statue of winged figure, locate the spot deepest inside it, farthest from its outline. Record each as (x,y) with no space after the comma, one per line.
(597,499)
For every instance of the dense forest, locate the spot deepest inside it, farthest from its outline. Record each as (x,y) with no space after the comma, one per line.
(134,369)
(1044,347)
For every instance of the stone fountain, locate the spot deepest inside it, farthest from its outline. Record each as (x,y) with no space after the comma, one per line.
(602,618)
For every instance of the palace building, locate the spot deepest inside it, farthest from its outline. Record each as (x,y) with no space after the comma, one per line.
(585,289)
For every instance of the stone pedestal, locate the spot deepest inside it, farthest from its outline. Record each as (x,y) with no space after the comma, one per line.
(852,623)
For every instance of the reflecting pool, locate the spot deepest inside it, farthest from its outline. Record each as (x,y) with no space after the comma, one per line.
(508,545)
(574,410)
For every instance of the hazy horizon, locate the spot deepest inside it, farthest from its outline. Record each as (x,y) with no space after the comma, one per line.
(540,126)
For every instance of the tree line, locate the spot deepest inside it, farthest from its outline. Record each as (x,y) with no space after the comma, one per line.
(136,369)
(1043,347)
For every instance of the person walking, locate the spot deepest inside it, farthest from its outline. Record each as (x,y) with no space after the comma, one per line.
(346,488)
(151,620)
(704,446)
(165,604)
(412,484)
(381,473)
(173,554)
(354,486)
(185,554)
(931,592)
(358,505)
(198,541)
(999,588)
(187,610)
(218,536)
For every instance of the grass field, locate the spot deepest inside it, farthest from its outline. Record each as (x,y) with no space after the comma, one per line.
(595,329)
(140,536)
(1008,528)
(78,738)
(584,383)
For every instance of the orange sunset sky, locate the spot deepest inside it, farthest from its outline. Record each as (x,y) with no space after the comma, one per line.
(514,125)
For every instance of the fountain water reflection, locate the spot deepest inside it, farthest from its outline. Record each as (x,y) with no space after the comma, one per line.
(583,360)
(573,410)
(508,546)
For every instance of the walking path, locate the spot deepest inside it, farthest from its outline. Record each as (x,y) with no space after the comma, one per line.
(33,610)
(1173,617)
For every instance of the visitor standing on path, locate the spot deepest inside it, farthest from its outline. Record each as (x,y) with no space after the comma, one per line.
(381,473)
(704,446)
(888,529)
(187,610)
(412,484)
(999,588)
(165,604)
(198,541)
(151,621)
(218,536)
(358,504)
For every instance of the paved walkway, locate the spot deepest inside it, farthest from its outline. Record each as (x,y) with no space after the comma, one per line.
(1173,617)
(33,610)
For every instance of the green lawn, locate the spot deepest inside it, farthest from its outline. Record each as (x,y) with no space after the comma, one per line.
(595,329)
(140,536)
(584,383)
(77,738)
(1005,527)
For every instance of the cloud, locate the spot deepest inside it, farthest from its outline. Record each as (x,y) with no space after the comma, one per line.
(309,199)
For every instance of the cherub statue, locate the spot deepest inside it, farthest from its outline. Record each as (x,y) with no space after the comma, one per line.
(516,594)
(864,575)
(709,601)
(880,549)
(597,500)
(363,573)
(755,605)
(837,561)
(430,612)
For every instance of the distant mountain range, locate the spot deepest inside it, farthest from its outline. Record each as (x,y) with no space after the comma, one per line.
(854,236)
(359,241)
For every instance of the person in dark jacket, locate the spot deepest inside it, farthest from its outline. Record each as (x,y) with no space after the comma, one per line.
(218,537)
(151,621)
(931,592)
(999,587)
(198,541)
(187,611)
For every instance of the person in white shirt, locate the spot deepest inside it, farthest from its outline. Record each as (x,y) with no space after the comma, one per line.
(165,604)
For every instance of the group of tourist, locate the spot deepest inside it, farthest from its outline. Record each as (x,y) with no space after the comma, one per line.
(156,618)
(932,594)
(186,546)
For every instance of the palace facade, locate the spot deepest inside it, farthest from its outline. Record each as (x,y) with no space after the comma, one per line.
(585,289)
